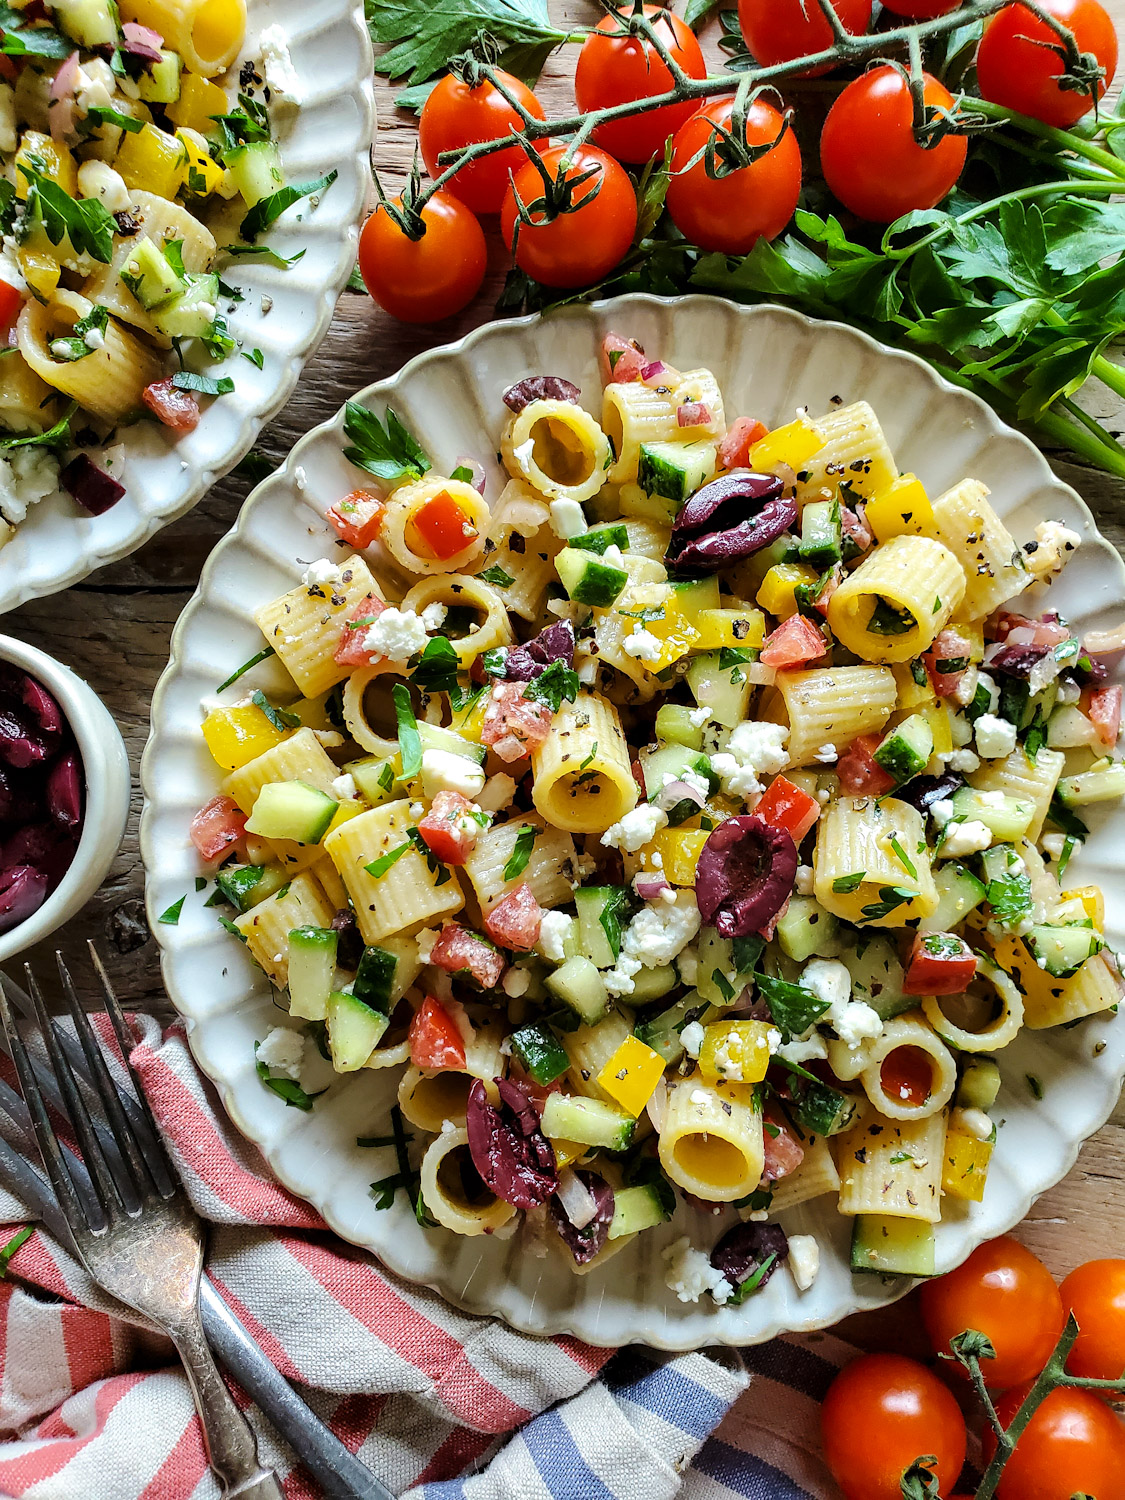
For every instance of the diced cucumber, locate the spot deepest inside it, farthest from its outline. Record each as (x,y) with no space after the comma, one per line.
(980,1084)
(540,1052)
(675,726)
(161,85)
(255,170)
(674,760)
(675,470)
(600,909)
(292,810)
(588,581)
(877,977)
(662,1033)
(959,891)
(653,984)
(149,275)
(374,980)
(821,534)
(590,1122)
(724,691)
(634,1209)
(578,984)
(91,23)
(434,737)
(819,1108)
(905,750)
(354,1030)
(1006,816)
(1062,951)
(892,1247)
(312,965)
(191,315)
(599,538)
(725,965)
(1100,784)
(806,928)
(695,594)
(374,778)
(239,884)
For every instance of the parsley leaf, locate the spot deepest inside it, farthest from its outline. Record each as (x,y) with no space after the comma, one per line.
(246,665)
(18,39)
(256,358)
(263,252)
(496,576)
(379,867)
(389,452)
(845,884)
(436,668)
(280,718)
(57,436)
(892,897)
(171,917)
(1009,896)
(75,347)
(553,685)
(286,1088)
(267,209)
(425,38)
(206,385)
(903,858)
(521,851)
(85,222)
(101,114)
(409,740)
(793,1007)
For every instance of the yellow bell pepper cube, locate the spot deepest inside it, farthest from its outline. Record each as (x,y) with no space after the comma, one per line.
(913,695)
(735,1052)
(937,717)
(568,1152)
(39,153)
(199,100)
(631,1075)
(730,627)
(965,1167)
(204,175)
(40,271)
(776,594)
(153,160)
(792,444)
(1093,903)
(344,813)
(679,849)
(236,735)
(902,510)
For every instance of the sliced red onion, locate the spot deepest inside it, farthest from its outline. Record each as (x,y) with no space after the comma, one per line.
(675,792)
(856,528)
(540,388)
(61,109)
(744,875)
(693,414)
(584,1244)
(651,887)
(94,489)
(141,43)
(478,480)
(655,370)
(578,1202)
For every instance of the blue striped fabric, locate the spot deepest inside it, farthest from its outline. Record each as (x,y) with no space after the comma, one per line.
(742,1473)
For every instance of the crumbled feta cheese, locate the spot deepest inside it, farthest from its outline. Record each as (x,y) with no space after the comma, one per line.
(515,983)
(635,829)
(277,68)
(94,338)
(446,771)
(804,1049)
(692,1038)
(567,516)
(497,793)
(961,731)
(1053,844)
(700,1097)
(323,570)
(554,930)
(729,1068)
(995,737)
(27,475)
(804,880)
(433,616)
(97,179)
(417,810)
(426,940)
(612,557)
(397,634)
(968,837)
(1051,551)
(972,1122)
(736,780)
(688,965)
(693,779)
(963,760)
(283,1052)
(9,265)
(941,811)
(855,1023)
(690,1274)
(657,934)
(829,980)
(826,754)
(344,787)
(642,644)
(96,85)
(761,746)
(992,798)
(699,716)
(619,979)
(804,1260)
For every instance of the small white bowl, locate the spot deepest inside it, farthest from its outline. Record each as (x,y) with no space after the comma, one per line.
(105,771)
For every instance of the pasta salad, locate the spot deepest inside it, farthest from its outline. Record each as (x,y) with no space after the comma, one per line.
(129,174)
(690,818)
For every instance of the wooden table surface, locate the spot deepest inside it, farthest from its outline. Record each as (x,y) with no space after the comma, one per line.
(114,629)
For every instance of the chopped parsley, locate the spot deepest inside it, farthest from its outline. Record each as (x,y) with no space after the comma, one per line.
(246,665)
(205,385)
(171,917)
(286,1088)
(389,452)
(409,740)
(553,685)
(280,718)
(903,858)
(496,575)
(436,668)
(267,209)
(843,885)
(891,897)
(521,851)
(379,867)
(256,358)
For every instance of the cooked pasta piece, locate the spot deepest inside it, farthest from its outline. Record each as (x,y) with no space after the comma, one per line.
(108,381)
(206,33)
(266,927)
(871,863)
(893,1168)
(854,454)
(24,395)
(583,779)
(424,521)
(985,1018)
(1049,1001)
(711,1142)
(895,1065)
(1030,781)
(634,414)
(834,705)
(428,1100)
(408,895)
(550,871)
(459,592)
(301,757)
(161,221)
(897,600)
(304,625)
(355,705)
(557,449)
(589,1048)
(445,1194)
(995,570)
(815,1176)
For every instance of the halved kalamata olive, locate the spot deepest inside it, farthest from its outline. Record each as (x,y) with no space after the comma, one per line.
(744,876)
(540,388)
(727,500)
(20,746)
(511,1153)
(584,1244)
(41,845)
(712,551)
(94,489)
(43,709)
(555,643)
(64,791)
(1089,671)
(923,791)
(1015,661)
(349,944)
(22,891)
(745,1248)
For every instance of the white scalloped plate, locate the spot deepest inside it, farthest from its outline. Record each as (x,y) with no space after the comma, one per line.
(768,361)
(58,544)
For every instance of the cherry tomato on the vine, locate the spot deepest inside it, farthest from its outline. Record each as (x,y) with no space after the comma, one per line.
(618,69)
(779,30)
(420,281)
(881,1413)
(580,247)
(1073,1445)
(456,115)
(1006,1293)
(1095,1294)
(868,153)
(1018,65)
(921,10)
(753,202)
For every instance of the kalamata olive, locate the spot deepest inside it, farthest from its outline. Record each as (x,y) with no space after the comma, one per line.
(511,1153)
(41,845)
(22,892)
(19,745)
(745,1248)
(1015,661)
(711,551)
(64,791)
(349,944)
(923,791)
(45,712)
(540,388)
(1090,671)
(585,1243)
(726,501)
(555,643)
(94,489)
(744,875)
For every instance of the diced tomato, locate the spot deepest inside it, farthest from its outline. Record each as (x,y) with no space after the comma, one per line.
(1021,630)
(783,1151)
(514,921)
(351,652)
(435,1038)
(217,826)
(450,828)
(786,806)
(1105,714)
(949,647)
(443,527)
(941,963)
(177,409)
(907,1073)
(794,642)
(858,770)
(622,359)
(513,725)
(856,528)
(459,951)
(10,303)
(734,449)
(357,518)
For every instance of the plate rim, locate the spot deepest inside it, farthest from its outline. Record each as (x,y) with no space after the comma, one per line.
(283,479)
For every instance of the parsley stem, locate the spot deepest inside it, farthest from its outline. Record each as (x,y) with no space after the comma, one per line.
(1064,140)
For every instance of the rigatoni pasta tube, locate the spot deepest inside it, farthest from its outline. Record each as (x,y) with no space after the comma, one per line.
(406,533)
(1028,780)
(557,449)
(994,566)
(834,705)
(893,1167)
(1050,1001)
(108,382)
(444,1192)
(550,872)
(460,591)
(408,895)
(304,625)
(429,1099)
(897,1061)
(711,1143)
(266,927)
(984,1019)
(583,779)
(208,34)
(299,758)
(161,221)
(897,600)
(815,1176)
(871,864)
(854,454)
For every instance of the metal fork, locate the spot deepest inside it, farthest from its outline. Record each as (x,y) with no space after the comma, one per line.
(139,1238)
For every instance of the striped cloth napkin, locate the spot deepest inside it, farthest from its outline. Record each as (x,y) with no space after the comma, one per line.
(441,1405)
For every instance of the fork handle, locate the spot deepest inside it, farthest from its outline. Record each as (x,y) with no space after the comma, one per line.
(231,1445)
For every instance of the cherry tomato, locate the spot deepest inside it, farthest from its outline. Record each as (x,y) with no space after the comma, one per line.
(756,201)
(921,10)
(734,449)
(779,30)
(1095,1294)
(859,771)
(881,1413)
(784,805)
(216,826)
(941,963)
(1073,1445)
(580,247)
(1018,67)
(615,69)
(908,1074)
(456,115)
(870,158)
(795,642)
(1006,1293)
(435,1038)
(357,518)
(10,303)
(420,281)
(443,529)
